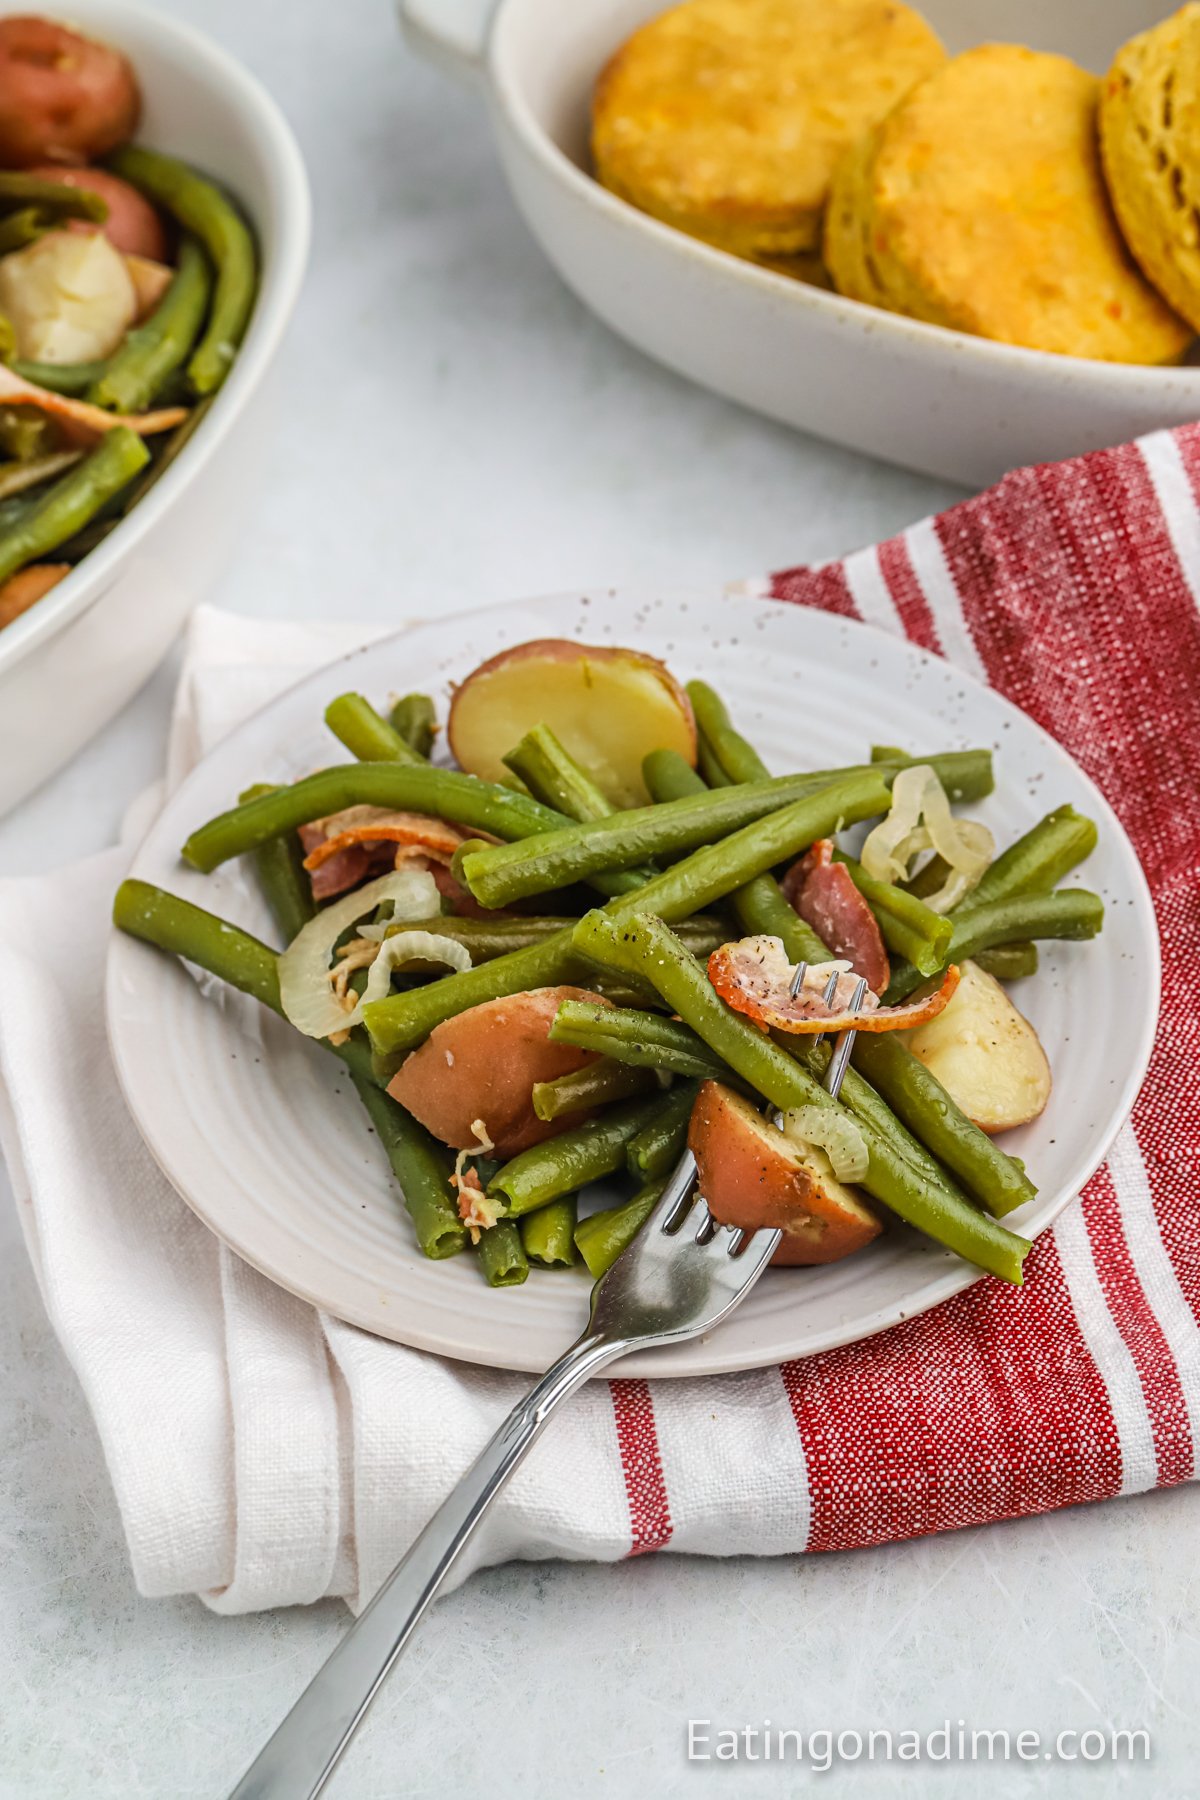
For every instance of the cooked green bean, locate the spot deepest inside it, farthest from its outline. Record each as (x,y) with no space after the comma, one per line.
(279,866)
(599,1084)
(565,1163)
(548,1235)
(502,1255)
(151,352)
(73,500)
(356,724)
(737,759)
(647,946)
(501,874)
(907,925)
(1071,913)
(72,379)
(26,433)
(552,775)
(645,1040)
(403,1020)
(1036,862)
(415,718)
(58,199)
(403,787)
(422,1168)
(659,1145)
(21,228)
(602,1237)
(1008,962)
(166,452)
(713,775)
(204,211)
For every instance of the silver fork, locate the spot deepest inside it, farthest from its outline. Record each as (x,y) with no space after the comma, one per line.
(682,1275)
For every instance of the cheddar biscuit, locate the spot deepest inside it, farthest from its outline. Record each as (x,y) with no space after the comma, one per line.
(724,118)
(979,204)
(1150,142)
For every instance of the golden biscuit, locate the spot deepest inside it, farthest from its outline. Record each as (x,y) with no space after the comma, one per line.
(724,118)
(979,204)
(1150,143)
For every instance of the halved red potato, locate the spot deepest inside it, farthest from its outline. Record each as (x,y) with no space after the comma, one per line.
(755,1178)
(64,98)
(985,1053)
(482,1065)
(609,707)
(134,226)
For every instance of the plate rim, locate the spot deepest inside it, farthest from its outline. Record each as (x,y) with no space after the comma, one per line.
(956,1278)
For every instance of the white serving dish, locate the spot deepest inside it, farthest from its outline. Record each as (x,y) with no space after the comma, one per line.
(76,657)
(953,406)
(263,1136)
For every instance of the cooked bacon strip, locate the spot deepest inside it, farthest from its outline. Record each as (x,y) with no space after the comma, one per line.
(826,898)
(753,976)
(374,824)
(84,424)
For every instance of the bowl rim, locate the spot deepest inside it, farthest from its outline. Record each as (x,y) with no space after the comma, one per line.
(283,266)
(936,344)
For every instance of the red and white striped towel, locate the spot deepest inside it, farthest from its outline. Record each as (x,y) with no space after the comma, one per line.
(265,1454)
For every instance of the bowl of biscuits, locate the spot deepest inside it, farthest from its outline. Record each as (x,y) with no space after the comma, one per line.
(958,236)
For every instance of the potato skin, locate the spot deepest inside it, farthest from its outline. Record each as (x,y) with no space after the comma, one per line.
(483,1064)
(754,1179)
(63,98)
(133,226)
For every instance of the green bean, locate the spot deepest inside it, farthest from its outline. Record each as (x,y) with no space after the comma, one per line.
(645,1040)
(27,433)
(151,351)
(599,1084)
(403,1020)
(1008,962)
(647,946)
(737,759)
(712,774)
(907,925)
(928,879)
(502,1255)
(73,500)
(58,199)
(22,228)
(72,379)
(502,873)
(560,1165)
(552,775)
(602,1237)
(422,1169)
(355,723)
(415,718)
(659,1145)
(204,211)
(1036,862)
(1070,913)
(401,787)
(890,753)
(548,1235)
(279,865)
(920,1101)
(166,451)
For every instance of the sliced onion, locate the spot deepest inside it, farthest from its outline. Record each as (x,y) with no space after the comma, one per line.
(307,999)
(828,1129)
(920,819)
(409,946)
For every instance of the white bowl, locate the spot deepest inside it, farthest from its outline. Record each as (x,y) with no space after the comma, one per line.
(954,406)
(75,658)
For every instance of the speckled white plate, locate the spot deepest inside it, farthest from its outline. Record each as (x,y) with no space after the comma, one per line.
(262,1135)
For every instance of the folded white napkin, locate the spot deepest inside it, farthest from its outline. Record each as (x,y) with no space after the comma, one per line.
(262,1453)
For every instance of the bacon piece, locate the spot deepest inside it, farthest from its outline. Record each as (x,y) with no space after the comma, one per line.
(753,977)
(82,423)
(824,895)
(341,851)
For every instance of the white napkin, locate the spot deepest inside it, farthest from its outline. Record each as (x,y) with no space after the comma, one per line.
(262,1453)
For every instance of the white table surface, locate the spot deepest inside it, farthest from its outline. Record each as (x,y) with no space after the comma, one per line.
(457,430)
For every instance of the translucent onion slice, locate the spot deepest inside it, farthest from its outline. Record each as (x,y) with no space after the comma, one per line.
(825,1128)
(920,819)
(308,1000)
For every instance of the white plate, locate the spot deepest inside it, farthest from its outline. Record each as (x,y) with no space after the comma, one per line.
(264,1138)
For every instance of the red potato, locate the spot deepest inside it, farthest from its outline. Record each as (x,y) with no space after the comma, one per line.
(150,282)
(608,707)
(133,226)
(754,1178)
(482,1065)
(63,98)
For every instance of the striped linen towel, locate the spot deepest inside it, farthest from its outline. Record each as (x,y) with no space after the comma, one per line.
(263,1453)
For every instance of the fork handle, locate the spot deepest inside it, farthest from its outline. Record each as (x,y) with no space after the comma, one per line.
(301,1755)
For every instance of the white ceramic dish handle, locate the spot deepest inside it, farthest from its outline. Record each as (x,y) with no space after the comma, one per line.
(450,33)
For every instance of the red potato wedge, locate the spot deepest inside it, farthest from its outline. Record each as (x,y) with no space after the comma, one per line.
(755,1179)
(482,1065)
(986,1054)
(609,707)
(133,226)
